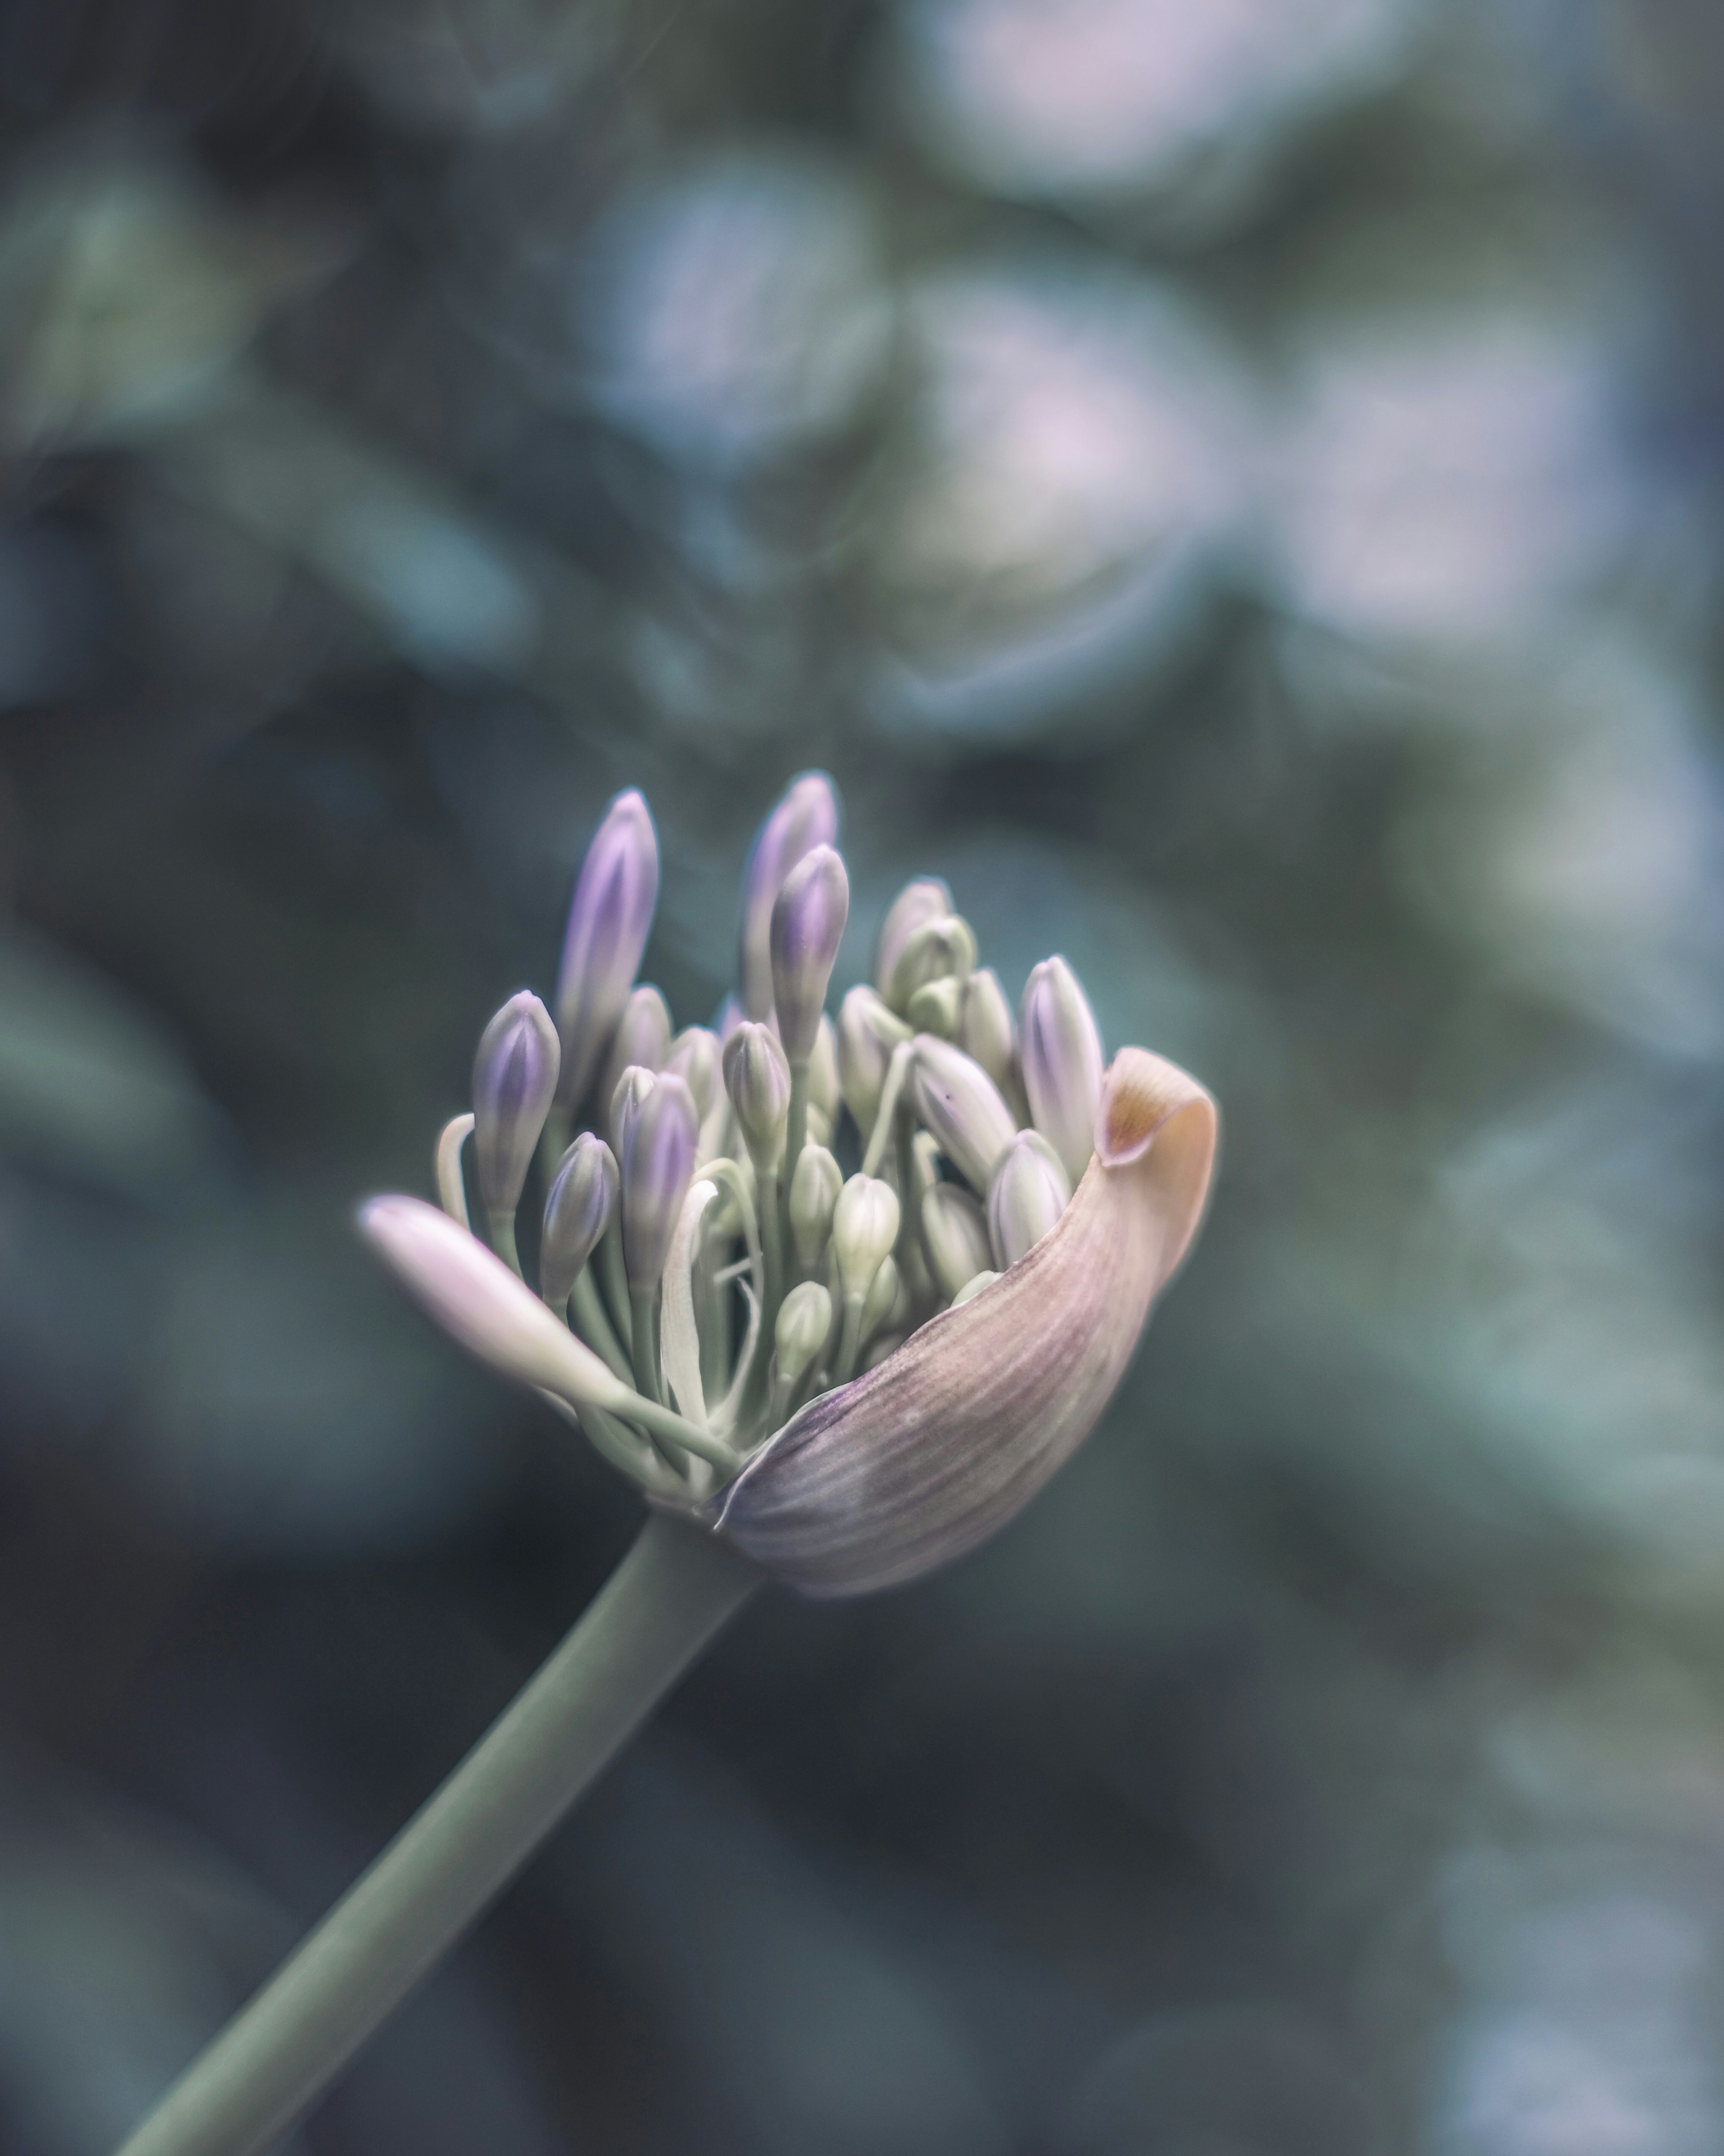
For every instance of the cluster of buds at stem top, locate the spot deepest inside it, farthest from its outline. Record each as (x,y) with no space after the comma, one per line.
(847,1296)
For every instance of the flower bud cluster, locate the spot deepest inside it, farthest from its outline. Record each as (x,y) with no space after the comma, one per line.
(742,1219)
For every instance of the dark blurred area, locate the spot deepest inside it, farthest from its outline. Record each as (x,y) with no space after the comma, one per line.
(1235,489)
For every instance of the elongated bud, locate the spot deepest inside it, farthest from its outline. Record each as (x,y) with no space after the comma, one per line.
(757,1079)
(807,925)
(961,1106)
(867,1034)
(694,1056)
(954,1235)
(925,900)
(864,1226)
(513,1082)
(1060,1051)
(825,1092)
(473,1296)
(642,1039)
(937,950)
(936,1007)
(578,1209)
(1029,1191)
(658,1168)
(806,818)
(815,1184)
(608,925)
(985,1032)
(804,1321)
(632,1089)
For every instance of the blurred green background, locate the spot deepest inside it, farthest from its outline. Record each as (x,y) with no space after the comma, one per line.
(1235,489)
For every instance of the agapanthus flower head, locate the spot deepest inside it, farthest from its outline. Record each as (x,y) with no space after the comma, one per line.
(856,1362)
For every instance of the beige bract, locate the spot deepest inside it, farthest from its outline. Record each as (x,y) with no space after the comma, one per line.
(799,1366)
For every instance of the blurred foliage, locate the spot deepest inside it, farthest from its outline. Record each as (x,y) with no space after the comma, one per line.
(1236,490)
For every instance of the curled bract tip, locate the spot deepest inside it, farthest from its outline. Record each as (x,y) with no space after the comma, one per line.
(934,1448)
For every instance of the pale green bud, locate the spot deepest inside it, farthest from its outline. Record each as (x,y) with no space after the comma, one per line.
(1030,1192)
(757,1079)
(927,900)
(864,1227)
(825,1092)
(694,1057)
(961,1106)
(985,1032)
(954,1235)
(632,1088)
(804,1323)
(938,949)
(885,1302)
(936,1007)
(867,1034)
(972,1288)
(1061,1052)
(814,1185)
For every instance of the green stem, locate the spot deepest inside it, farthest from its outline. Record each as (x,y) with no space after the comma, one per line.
(796,1137)
(665,1602)
(595,1327)
(642,1306)
(502,1232)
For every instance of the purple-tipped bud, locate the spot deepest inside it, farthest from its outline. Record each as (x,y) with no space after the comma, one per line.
(961,1106)
(985,1032)
(1060,1051)
(1030,1192)
(757,1079)
(954,1236)
(578,1210)
(916,903)
(939,950)
(658,1169)
(867,1034)
(807,925)
(806,818)
(642,1039)
(513,1082)
(632,1089)
(694,1058)
(608,925)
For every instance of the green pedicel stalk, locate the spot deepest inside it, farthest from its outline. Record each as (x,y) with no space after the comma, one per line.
(667,1600)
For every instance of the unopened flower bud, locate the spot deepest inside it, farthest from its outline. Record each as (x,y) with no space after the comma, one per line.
(819,1131)
(954,1236)
(815,1184)
(757,1079)
(658,1167)
(642,1039)
(825,1092)
(867,1034)
(694,1056)
(961,1106)
(632,1089)
(608,925)
(864,1227)
(804,1324)
(936,1006)
(937,949)
(972,1288)
(807,925)
(513,1082)
(1029,1191)
(924,901)
(578,1210)
(806,818)
(985,1032)
(1060,1051)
